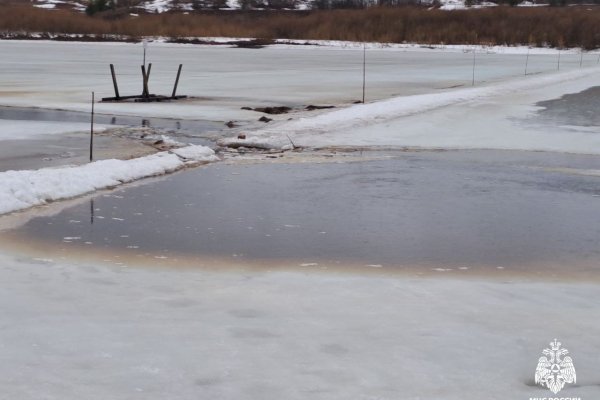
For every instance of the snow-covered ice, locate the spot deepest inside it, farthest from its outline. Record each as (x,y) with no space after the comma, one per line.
(23,130)
(225,79)
(82,330)
(418,96)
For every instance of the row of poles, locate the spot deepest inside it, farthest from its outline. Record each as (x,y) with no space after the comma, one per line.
(364,80)
(364,65)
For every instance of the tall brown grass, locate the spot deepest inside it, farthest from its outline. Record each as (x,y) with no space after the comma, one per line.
(549,26)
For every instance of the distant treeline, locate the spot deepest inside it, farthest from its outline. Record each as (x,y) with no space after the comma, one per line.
(200,5)
(354,4)
(538,26)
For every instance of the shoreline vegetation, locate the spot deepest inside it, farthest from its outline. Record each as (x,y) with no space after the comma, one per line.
(556,27)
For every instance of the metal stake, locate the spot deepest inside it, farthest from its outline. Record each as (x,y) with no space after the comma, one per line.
(364,71)
(92,131)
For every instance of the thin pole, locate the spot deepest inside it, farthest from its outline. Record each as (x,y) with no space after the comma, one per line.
(92,131)
(598,59)
(581,59)
(558,67)
(527,61)
(144,45)
(474,53)
(364,71)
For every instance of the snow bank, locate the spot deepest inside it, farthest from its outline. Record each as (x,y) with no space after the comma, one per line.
(23,189)
(394,108)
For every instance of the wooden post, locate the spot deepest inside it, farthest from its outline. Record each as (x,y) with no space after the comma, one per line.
(114,79)
(145,45)
(143,80)
(92,131)
(176,81)
(92,211)
(558,65)
(146,77)
(527,61)
(581,59)
(474,53)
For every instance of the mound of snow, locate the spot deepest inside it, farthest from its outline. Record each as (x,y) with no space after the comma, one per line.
(23,189)
(195,153)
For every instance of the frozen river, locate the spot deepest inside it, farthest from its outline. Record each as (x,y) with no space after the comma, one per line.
(376,272)
(62,75)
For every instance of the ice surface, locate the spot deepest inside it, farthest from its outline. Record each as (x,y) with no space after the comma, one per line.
(96,332)
(24,189)
(226,79)
(22,130)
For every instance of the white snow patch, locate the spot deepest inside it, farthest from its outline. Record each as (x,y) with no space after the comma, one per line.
(196,153)
(158,6)
(348,336)
(531,4)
